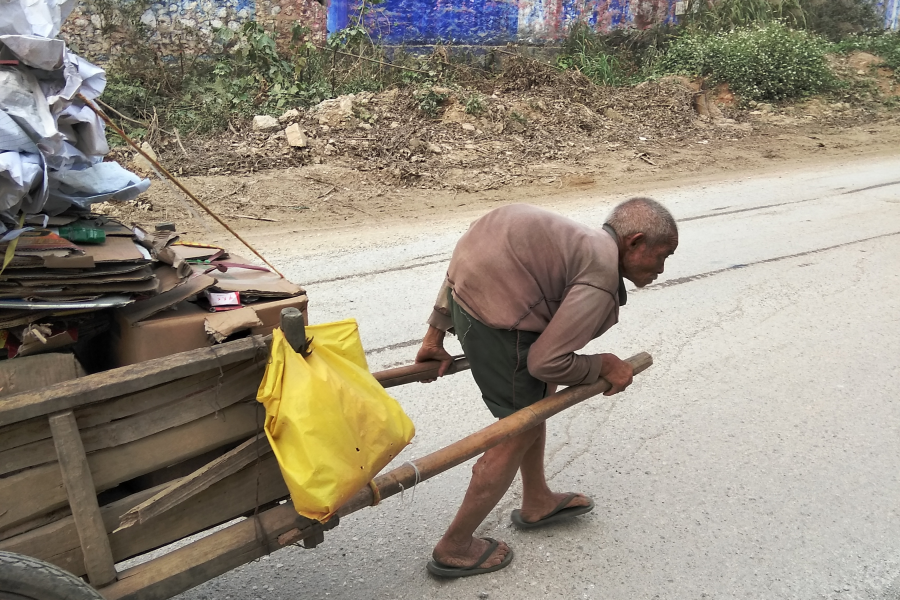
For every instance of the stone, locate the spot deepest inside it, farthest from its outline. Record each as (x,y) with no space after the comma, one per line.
(149,19)
(613,114)
(142,163)
(334,112)
(468,127)
(289,115)
(265,123)
(434,148)
(296,137)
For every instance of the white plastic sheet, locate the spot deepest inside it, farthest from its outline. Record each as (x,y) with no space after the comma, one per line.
(34,17)
(18,174)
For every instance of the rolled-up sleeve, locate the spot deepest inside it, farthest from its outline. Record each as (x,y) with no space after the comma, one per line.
(578,320)
(440,315)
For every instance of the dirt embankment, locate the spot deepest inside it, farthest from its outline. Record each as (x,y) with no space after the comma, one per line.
(535,132)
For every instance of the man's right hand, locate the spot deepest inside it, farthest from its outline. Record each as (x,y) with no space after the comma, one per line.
(433,349)
(617,372)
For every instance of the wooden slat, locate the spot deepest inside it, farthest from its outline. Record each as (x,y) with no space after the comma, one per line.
(200,561)
(130,379)
(57,543)
(82,496)
(115,465)
(32,430)
(191,485)
(240,385)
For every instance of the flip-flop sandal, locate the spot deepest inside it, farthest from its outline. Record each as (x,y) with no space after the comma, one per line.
(560,513)
(441,570)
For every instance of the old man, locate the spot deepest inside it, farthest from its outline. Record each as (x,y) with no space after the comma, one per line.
(525,290)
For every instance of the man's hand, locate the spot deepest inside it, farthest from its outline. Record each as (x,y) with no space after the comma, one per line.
(433,349)
(617,372)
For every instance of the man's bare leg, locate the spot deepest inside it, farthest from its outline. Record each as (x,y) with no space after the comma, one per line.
(491,477)
(537,498)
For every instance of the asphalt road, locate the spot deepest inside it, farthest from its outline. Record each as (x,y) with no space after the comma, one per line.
(758,458)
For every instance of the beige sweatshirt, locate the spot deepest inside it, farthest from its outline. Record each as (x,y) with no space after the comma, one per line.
(524,268)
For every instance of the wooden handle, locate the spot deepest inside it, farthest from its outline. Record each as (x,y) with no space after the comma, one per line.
(437,462)
(423,371)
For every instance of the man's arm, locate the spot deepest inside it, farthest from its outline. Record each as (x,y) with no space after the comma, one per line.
(438,324)
(552,357)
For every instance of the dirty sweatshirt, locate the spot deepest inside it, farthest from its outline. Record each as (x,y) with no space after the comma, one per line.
(524,268)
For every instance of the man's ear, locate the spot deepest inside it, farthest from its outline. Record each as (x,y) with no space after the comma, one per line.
(634,240)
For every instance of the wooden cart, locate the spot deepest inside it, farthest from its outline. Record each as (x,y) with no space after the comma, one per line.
(171,448)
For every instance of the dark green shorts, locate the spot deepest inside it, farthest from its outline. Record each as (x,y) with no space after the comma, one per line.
(499,362)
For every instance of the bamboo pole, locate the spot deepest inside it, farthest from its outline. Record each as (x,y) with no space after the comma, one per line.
(416,471)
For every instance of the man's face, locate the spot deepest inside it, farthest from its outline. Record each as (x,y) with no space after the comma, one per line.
(642,263)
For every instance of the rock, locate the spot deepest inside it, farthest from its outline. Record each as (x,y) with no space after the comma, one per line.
(296,137)
(289,115)
(265,123)
(334,112)
(468,127)
(415,145)
(613,114)
(434,148)
(142,163)
(365,126)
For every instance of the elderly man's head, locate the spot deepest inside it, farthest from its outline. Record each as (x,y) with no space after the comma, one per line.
(647,235)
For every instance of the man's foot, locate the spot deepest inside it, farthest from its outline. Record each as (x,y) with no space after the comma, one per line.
(465,556)
(554,507)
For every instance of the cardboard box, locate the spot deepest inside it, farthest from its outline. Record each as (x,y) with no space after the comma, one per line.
(183,329)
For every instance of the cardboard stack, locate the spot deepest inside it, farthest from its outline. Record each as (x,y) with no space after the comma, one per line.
(70,279)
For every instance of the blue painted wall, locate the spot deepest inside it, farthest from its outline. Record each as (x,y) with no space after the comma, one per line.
(500,21)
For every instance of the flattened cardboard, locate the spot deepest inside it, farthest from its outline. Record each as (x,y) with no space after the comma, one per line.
(219,326)
(141,273)
(116,249)
(147,308)
(251,282)
(108,269)
(182,329)
(69,262)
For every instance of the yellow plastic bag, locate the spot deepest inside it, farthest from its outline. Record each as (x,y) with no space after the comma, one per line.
(331,424)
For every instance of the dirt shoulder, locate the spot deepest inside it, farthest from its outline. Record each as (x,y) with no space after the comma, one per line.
(537,134)
(335,197)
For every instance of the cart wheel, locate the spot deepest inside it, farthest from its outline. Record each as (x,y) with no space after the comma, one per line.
(26,578)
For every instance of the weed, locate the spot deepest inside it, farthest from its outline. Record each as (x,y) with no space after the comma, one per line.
(770,62)
(474,105)
(430,101)
(515,116)
(726,15)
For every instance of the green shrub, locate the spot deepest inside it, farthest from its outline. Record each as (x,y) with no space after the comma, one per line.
(770,62)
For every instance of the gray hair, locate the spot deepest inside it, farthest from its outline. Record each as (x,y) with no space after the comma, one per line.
(643,215)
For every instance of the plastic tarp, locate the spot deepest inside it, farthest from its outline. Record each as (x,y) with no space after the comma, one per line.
(42,118)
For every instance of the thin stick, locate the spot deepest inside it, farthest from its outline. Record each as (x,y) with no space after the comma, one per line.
(172,178)
(256,218)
